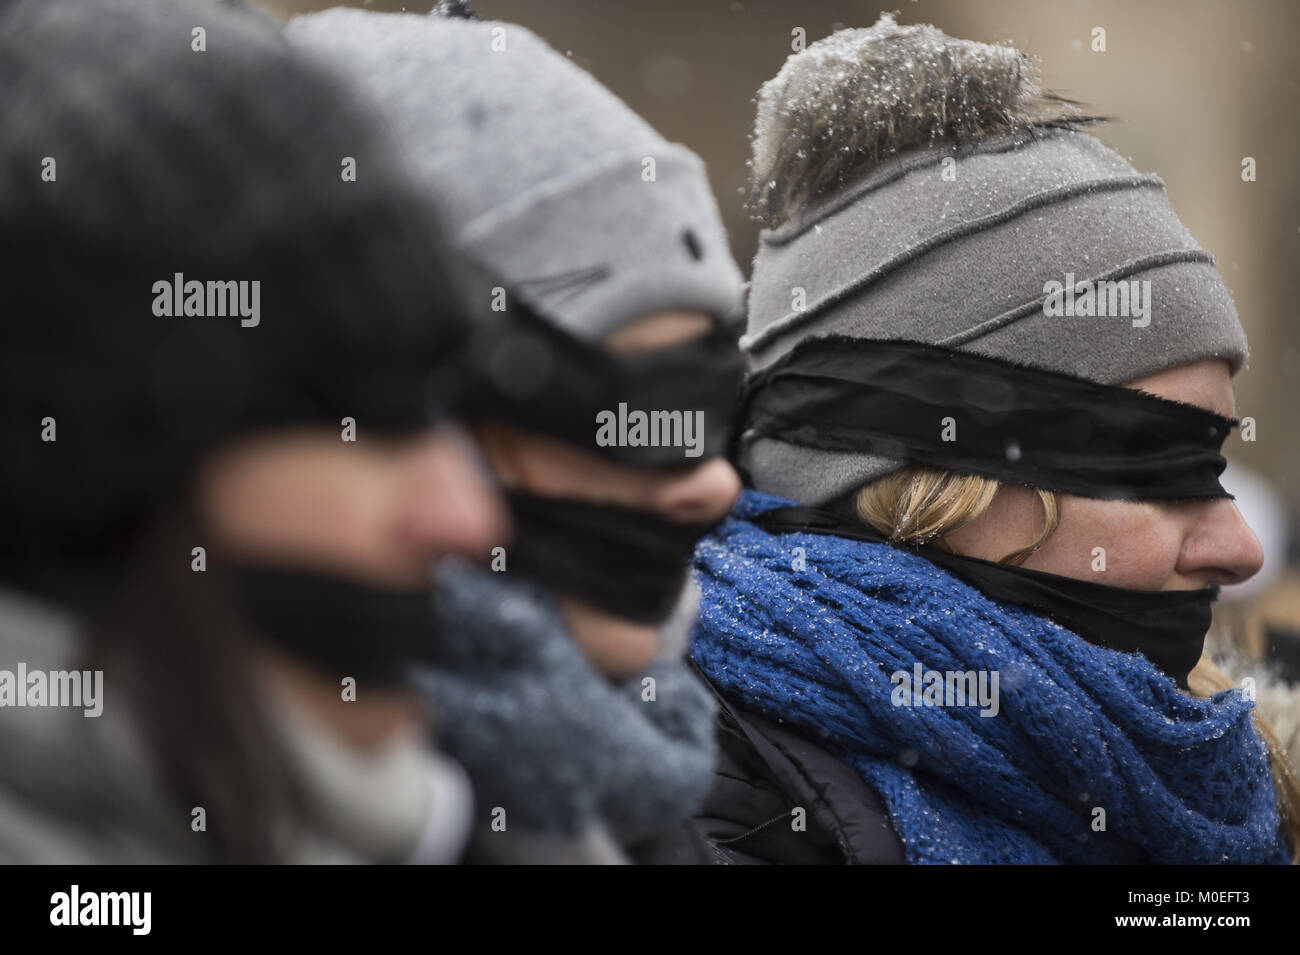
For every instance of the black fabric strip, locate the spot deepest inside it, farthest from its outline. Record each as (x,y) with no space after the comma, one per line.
(338,626)
(1167,626)
(625,561)
(664,408)
(968,413)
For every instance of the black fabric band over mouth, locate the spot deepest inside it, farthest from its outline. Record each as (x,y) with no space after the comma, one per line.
(1167,626)
(968,413)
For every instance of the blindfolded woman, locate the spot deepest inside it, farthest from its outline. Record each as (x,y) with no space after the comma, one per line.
(959,616)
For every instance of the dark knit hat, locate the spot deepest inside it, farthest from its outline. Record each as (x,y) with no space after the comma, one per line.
(157,161)
(921,187)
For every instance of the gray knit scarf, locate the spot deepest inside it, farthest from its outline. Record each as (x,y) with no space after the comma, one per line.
(562,760)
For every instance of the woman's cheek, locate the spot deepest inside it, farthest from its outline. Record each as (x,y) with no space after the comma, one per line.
(1119,543)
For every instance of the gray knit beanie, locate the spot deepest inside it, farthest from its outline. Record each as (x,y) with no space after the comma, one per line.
(549,183)
(921,187)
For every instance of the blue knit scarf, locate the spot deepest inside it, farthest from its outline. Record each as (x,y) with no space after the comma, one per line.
(1093,756)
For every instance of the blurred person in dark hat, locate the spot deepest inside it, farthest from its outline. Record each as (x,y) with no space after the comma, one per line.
(225,334)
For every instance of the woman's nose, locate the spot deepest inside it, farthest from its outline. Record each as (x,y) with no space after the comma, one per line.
(450,506)
(1221,547)
(699,496)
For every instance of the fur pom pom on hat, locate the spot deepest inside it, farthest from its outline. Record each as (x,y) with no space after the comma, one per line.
(922,187)
(860,96)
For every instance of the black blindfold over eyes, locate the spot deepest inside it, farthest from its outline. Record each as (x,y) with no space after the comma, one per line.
(949,409)
(666,408)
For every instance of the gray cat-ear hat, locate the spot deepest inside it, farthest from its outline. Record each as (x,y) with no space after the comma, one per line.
(548,183)
(917,186)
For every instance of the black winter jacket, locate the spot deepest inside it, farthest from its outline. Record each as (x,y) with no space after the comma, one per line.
(764,772)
